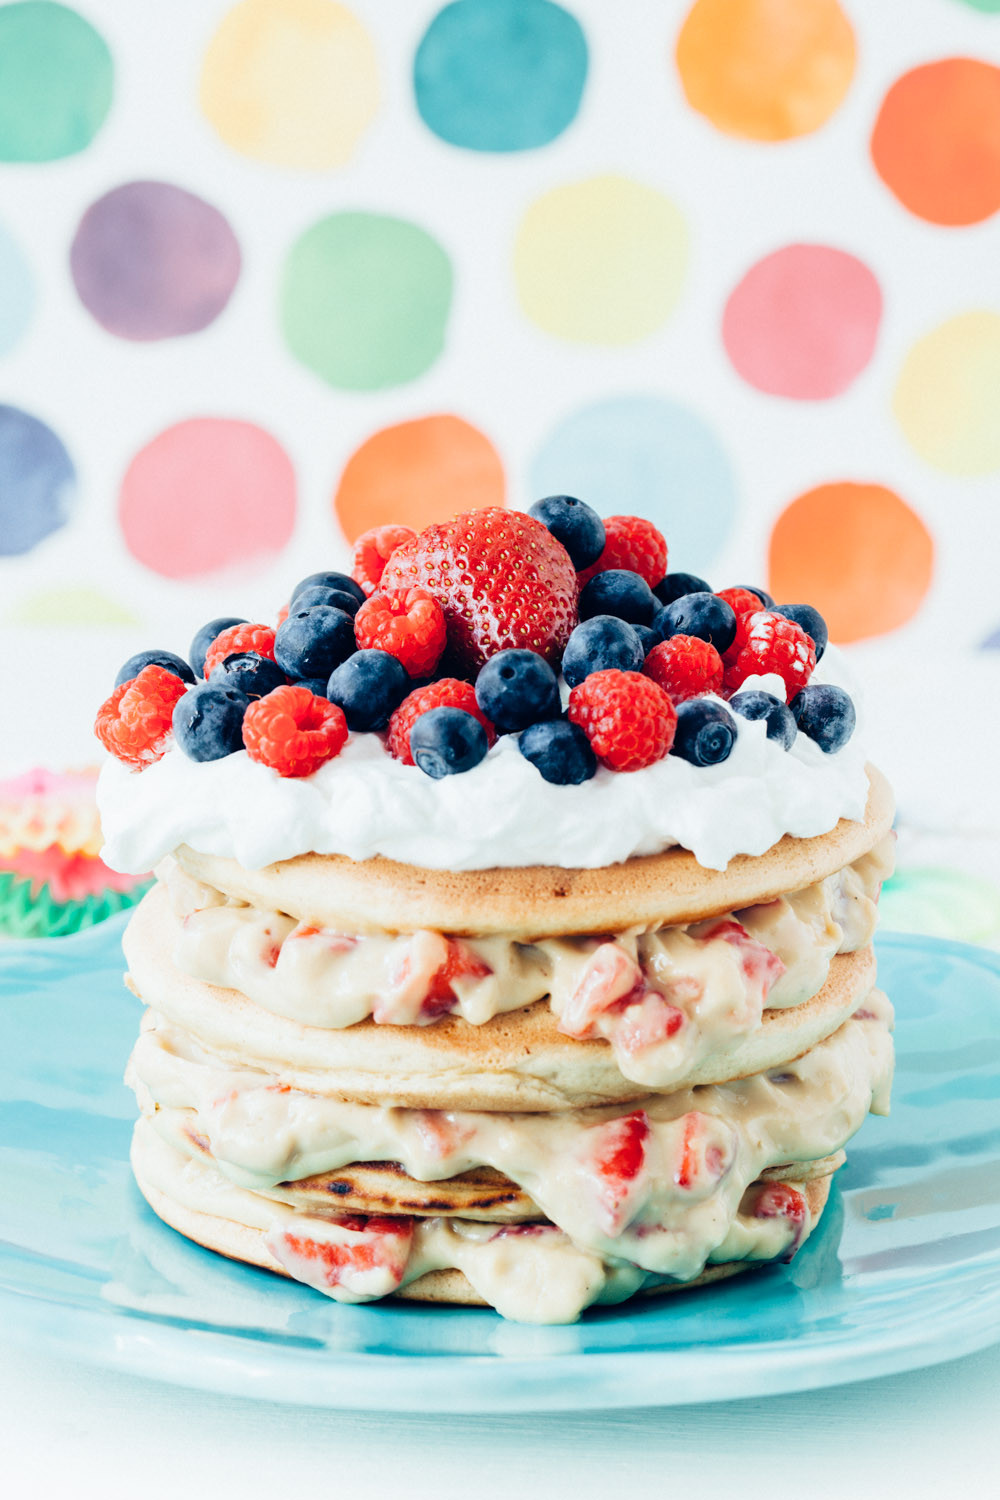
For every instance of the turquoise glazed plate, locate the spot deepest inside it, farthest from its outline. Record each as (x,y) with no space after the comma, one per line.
(904,1270)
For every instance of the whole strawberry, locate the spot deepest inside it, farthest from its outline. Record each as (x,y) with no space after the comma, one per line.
(502,580)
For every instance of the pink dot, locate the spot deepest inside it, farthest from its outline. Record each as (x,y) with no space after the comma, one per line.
(803,322)
(206,495)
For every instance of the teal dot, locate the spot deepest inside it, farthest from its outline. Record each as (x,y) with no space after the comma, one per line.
(17,293)
(943,903)
(55,82)
(991,7)
(645,456)
(365,301)
(500,75)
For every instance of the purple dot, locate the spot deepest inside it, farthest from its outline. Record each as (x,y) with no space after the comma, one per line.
(151,261)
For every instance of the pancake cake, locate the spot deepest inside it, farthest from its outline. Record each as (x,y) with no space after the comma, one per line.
(511,936)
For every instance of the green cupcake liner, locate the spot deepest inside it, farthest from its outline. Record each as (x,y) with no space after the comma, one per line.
(27,915)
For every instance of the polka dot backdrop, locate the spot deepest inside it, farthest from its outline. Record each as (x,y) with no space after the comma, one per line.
(277,270)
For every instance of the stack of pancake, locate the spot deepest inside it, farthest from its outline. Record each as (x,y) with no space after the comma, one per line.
(530,1088)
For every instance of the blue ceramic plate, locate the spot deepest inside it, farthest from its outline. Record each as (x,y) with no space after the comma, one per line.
(904,1270)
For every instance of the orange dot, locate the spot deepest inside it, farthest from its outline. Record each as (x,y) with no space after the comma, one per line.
(416,473)
(936,142)
(766,69)
(855,551)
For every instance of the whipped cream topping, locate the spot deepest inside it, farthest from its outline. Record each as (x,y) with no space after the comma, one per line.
(502,813)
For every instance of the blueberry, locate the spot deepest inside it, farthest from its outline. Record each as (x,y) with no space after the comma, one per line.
(340,581)
(826,714)
(208,721)
(619,592)
(810,619)
(602,642)
(648,638)
(758,705)
(517,688)
(369,686)
(579,528)
(706,732)
(248,673)
(316,685)
(317,593)
(701,614)
(762,594)
(445,741)
(559,751)
(312,642)
(206,635)
(676,584)
(165,659)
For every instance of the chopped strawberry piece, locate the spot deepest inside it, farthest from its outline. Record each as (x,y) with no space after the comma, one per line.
(778,1200)
(610,976)
(271,953)
(688,1166)
(461,963)
(422,988)
(440,1132)
(761,967)
(647,1022)
(617,1157)
(510,1230)
(363,1257)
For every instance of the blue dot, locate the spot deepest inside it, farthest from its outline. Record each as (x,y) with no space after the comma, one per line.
(17,294)
(500,75)
(642,455)
(37,482)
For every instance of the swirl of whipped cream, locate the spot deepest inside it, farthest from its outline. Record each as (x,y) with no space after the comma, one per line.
(502,813)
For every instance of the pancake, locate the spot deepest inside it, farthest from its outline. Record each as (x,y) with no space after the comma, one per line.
(381,895)
(518,1061)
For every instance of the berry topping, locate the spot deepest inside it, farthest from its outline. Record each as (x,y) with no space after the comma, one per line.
(706,732)
(579,528)
(446,742)
(208,720)
(135,722)
(633,543)
(369,686)
(447,692)
(675,585)
(165,659)
(408,624)
(741,601)
(826,714)
(559,751)
(779,717)
(293,731)
(206,635)
(372,551)
(685,666)
(312,642)
(812,623)
(620,593)
(517,688)
(250,674)
(601,642)
(776,645)
(318,593)
(501,578)
(704,615)
(235,640)
(648,638)
(628,719)
(759,593)
(342,582)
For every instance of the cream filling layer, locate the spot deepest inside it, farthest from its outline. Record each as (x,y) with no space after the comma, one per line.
(658,1186)
(665,1000)
(533,1274)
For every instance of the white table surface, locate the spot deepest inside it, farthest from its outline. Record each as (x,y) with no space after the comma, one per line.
(72,1432)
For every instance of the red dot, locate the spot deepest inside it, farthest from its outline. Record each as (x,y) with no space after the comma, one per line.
(803,322)
(206,495)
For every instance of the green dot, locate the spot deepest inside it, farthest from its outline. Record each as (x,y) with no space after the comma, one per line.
(365,300)
(55,82)
(942,903)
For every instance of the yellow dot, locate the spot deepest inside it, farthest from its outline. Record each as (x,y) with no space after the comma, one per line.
(600,261)
(291,82)
(947,399)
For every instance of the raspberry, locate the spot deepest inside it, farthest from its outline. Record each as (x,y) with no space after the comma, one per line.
(630,542)
(235,641)
(293,731)
(501,578)
(773,644)
(408,624)
(742,602)
(282,615)
(372,551)
(685,666)
(628,718)
(448,692)
(135,722)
